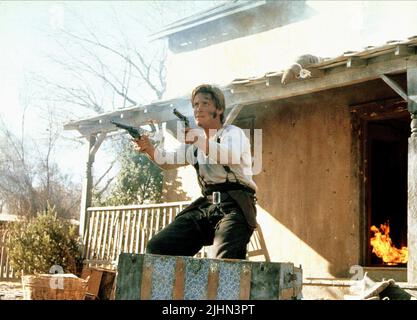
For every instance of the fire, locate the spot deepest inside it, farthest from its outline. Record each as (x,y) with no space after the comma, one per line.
(383,247)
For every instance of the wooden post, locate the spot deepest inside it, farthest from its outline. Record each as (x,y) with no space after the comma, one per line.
(86,192)
(93,145)
(412,176)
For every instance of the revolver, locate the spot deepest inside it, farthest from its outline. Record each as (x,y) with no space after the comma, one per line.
(182,118)
(135,133)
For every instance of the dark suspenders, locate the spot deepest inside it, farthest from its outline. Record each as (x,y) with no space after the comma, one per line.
(201,181)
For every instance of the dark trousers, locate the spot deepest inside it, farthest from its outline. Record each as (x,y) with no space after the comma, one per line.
(226,229)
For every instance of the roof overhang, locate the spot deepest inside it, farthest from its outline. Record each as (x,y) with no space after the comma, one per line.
(215,13)
(345,70)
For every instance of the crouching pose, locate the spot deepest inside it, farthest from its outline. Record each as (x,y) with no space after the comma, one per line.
(227,221)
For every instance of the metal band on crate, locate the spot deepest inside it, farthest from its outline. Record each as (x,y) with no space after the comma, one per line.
(245,281)
(212,281)
(146,285)
(178,292)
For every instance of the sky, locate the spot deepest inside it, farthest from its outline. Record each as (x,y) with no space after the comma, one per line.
(28,31)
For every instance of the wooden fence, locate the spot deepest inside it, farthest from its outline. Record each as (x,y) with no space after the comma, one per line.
(112,230)
(6,271)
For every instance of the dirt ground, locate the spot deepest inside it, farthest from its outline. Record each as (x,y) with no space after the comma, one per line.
(11,290)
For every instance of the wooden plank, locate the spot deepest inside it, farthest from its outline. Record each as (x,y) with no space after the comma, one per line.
(94,240)
(106,285)
(286,293)
(132,232)
(159,213)
(127,232)
(394,86)
(4,272)
(121,233)
(355,62)
(100,235)
(90,254)
(94,277)
(129,277)
(233,114)
(412,204)
(138,231)
(212,281)
(2,258)
(98,141)
(116,236)
(245,282)
(105,241)
(412,86)
(334,79)
(86,194)
(402,50)
(111,236)
(7,266)
(100,282)
(144,238)
(165,217)
(146,285)
(178,292)
(151,224)
(143,206)
(172,214)
(88,234)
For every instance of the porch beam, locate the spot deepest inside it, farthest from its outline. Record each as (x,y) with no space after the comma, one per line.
(247,94)
(395,86)
(355,62)
(159,112)
(335,78)
(97,144)
(233,114)
(412,176)
(404,50)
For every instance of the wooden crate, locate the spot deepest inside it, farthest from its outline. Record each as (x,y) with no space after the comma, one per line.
(99,282)
(53,287)
(157,277)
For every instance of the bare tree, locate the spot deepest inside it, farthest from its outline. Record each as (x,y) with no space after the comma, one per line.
(29,178)
(98,72)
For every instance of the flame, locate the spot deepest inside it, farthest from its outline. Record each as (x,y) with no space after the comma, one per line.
(382,246)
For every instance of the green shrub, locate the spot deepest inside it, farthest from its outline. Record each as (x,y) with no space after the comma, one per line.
(34,246)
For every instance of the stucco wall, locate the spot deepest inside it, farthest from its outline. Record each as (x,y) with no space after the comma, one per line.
(328,29)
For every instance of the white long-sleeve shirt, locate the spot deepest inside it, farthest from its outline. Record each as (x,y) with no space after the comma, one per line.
(233,150)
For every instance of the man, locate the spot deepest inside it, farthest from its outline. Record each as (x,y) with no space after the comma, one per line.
(228,225)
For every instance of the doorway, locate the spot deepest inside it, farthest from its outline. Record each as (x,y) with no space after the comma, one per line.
(386,180)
